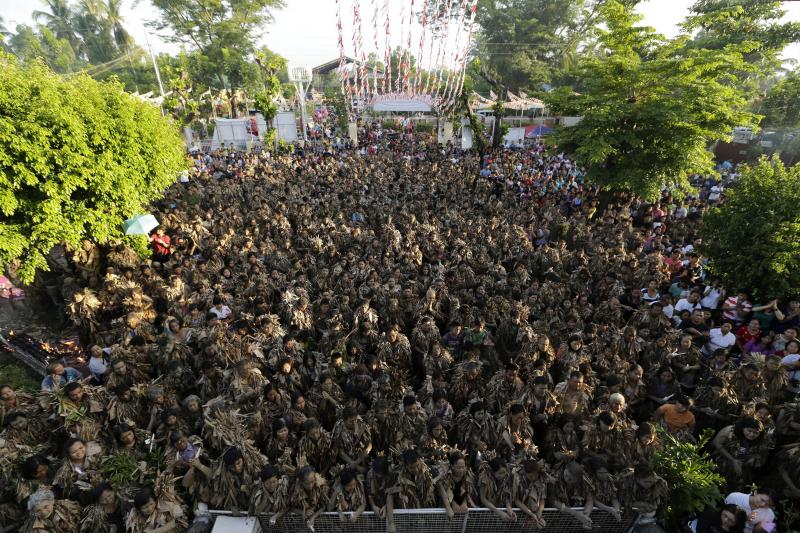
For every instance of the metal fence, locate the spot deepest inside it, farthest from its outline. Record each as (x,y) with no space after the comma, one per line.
(477,520)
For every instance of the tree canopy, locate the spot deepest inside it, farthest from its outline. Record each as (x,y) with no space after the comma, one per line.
(222,35)
(77,157)
(781,105)
(650,106)
(754,237)
(755,24)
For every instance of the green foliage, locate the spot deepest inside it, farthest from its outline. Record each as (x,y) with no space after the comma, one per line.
(77,157)
(334,100)
(651,106)
(120,469)
(29,44)
(754,237)
(222,36)
(691,475)
(271,65)
(19,378)
(788,516)
(532,42)
(754,24)
(781,106)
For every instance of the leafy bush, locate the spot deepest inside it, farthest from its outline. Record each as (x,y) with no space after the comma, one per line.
(692,476)
(77,158)
(18,377)
(754,237)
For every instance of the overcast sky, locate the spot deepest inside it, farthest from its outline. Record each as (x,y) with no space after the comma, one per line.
(305,31)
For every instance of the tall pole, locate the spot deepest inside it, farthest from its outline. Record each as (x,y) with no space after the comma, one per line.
(302,95)
(155,65)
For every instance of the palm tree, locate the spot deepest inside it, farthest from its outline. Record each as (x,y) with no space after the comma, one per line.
(59,18)
(114,18)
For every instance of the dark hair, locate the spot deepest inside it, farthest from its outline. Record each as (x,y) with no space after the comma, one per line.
(175,436)
(143,497)
(564,419)
(455,457)
(269,471)
(642,470)
(349,412)
(346,477)
(607,418)
(380,465)
(476,406)
(231,456)
(296,395)
(138,340)
(71,386)
(645,429)
(683,399)
(410,456)
(747,422)
(31,464)
(310,424)
(516,408)
(304,472)
(739,514)
(119,429)
(409,400)
(278,424)
(99,490)
(13,415)
(69,443)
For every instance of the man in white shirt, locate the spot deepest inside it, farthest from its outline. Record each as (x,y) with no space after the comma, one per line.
(690,303)
(757,506)
(720,338)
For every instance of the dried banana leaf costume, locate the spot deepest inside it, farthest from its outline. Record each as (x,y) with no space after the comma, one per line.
(64,519)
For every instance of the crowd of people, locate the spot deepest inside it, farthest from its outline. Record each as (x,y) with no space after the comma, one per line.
(350,332)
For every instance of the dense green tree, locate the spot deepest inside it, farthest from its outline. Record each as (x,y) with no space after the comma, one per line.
(530,43)
(650,106)
(77,157)
(29,44)
(222,35)
(59,17)
(781,106)
(754,237)
(717,24)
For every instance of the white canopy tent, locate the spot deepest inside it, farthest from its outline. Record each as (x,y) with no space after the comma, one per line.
(234,131)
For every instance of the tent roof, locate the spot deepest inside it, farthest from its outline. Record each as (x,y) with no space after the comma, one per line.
(331,65)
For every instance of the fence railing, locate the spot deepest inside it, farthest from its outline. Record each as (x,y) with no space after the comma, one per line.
(477,520)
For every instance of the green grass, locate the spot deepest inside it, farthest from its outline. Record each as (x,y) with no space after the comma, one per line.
(18,377)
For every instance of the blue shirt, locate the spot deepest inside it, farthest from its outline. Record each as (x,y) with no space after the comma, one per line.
(69,375)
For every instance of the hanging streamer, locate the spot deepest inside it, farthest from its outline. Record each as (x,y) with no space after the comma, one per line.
(440,52)
(377,47)
(429,64)
(465,54)
(455,58)
(344,77)
(417,83)
(387,52)
(407,51)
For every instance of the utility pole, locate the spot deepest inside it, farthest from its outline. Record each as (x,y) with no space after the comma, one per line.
(155,68)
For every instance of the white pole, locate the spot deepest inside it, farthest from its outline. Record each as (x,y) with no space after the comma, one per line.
(302,107)
(155,65)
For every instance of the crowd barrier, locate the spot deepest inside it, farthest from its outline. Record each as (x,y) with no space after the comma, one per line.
(476,520)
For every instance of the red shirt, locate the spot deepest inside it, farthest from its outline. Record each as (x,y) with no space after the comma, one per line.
(744,335)
(161,243)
